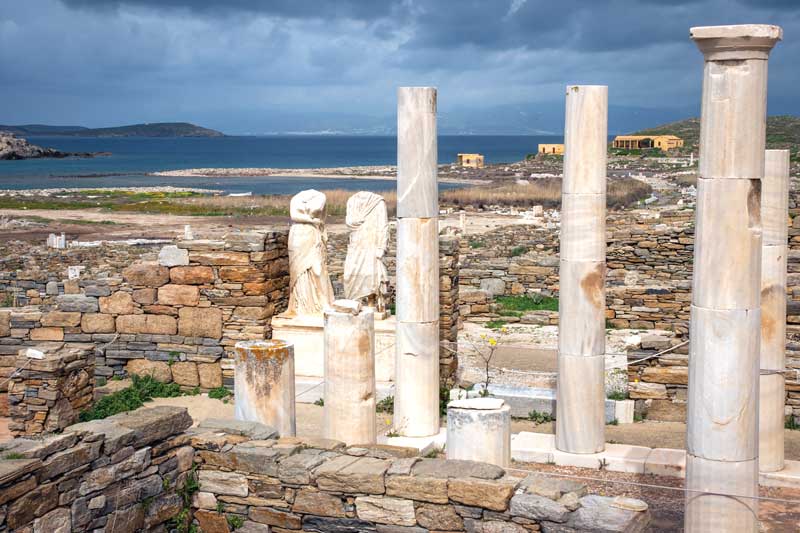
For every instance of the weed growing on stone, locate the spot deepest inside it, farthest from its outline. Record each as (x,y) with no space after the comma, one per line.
(218,393)
(538,417)
(234,521)
(616,395)
(518,251)
(791,423)
(142,389)
(320,402)
(496,324)
(386,405)
(614,422)
(12,456)
(475,243)
(533,302)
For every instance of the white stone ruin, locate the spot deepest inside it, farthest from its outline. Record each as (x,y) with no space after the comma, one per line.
(57,241)
(349,406)
(722,412)
(264,388)
(479,429)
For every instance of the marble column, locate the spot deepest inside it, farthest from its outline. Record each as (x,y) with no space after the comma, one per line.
(479,429)
(349,407)
(264,384)
(774,250)
(416,400)
(580,415)
(722,410)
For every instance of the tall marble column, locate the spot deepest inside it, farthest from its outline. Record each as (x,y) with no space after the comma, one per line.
(349,407)
(416,400)
(580,416)
(722,411)
(264,384)
(774,250)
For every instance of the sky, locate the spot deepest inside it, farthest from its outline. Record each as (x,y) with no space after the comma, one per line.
(267,66)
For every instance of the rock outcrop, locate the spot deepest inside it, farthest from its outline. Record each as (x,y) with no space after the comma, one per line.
(13,147)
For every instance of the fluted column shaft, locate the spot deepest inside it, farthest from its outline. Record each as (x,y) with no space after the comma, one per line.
(580,417)
(722,411)
(416,400)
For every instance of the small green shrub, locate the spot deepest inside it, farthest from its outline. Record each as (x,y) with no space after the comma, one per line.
(142,389)
(533,302)
(538,417)
(218,393)
(496,324)
(386,405)
(518,251)
(13,455)
(235,521)
(637,417)
(476,243)
(616,395)
(791,423)
(614,422)
(320,402)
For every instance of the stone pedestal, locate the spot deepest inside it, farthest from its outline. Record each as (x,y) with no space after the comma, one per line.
(479,429)
(349,374)
(772,389)
(264,384)
(416,403)
(722,414)
(305,333)
(580,424)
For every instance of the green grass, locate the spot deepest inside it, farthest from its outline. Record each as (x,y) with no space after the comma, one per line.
(538,417)
(791,423)
(13,455)
(527,303)
(518,251)
(142,389)
(616,395)
(614,422)
(476,243)
(496,324)
(386,405)
(219,393)
(320,402)
(234,521)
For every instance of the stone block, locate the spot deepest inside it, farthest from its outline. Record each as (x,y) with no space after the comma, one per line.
(241,274)
(191,275)
(223,483)
(145,296)
(155,423)
(220,258)
(158,370)
(361,475)
(272,517)
(420,488)
(386,510)
(56,521)
(179,295)
(251,430)
(171,256)
(489,494)
(47,334)
(538,508)
(185,373)
(97,323)
(211,521)
(149,324)
(200,322)
(209,375)
(146,275)
(439,517)
(5,323)
(667,411)
(61,319)
(641,390)
(77,303)
(666,462)
(674,375)
(310,501)
(119,303)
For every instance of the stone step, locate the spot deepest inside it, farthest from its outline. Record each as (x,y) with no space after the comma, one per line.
(311,389)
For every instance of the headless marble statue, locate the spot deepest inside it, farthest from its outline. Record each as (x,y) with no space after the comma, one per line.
(365,275)
(310,285)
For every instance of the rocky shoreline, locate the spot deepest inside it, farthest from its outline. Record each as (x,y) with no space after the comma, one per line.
(14,148)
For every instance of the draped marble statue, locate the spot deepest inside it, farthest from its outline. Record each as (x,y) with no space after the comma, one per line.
(365,275)
(310,285)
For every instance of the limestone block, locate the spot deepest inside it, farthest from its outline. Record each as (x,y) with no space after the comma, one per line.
(489,494)
(47,334)
(707,512)
(417,298)
(97,323)
(771,421)
(223,483)
(728,244)
(179,295)
(144,296)
(417,189)
(439,517)
(416,402)
(146,275)
(311,501)
(61,319)
(349,410)
(723,391)
(210,375)
(5,323)
(353,474)
(582,306)
(200,322)
(264,384)
(158,370)
(119,303)
(76,303)
(386,510)
(152,324)
(171,256)
(676,375)
(583,227)
(585,139)
(775,197)
(479,429)
(640,390)
(580,415)
(191,275)
(185,373)
(220,258)
(241,274)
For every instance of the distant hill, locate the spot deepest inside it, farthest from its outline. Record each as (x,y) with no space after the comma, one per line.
(783,131)
(155,129)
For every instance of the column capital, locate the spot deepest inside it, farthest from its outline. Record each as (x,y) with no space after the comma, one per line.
(738,42)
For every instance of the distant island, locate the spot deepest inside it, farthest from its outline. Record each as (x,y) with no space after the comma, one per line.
(154,129)
(12,148)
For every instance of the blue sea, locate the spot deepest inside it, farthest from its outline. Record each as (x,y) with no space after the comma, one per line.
(133,157)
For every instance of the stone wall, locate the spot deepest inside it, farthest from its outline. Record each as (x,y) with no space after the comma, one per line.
(121,474)
(308,484)
(46,394)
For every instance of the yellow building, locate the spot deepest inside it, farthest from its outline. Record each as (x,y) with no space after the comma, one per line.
(470,160)
(635,142)
(557,149)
